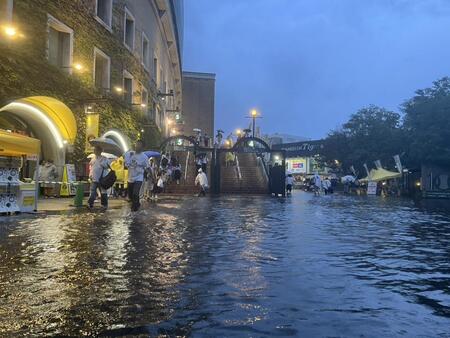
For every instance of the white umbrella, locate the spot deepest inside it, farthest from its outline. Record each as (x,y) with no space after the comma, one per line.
(107,145)
(107,155)
(348,179)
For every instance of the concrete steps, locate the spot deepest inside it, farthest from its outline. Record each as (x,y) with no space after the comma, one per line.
(253,180)
(187,185)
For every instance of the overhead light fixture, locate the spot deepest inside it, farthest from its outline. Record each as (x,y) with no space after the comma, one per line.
(10,31)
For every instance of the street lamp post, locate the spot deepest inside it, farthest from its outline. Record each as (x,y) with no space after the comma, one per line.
(254,115)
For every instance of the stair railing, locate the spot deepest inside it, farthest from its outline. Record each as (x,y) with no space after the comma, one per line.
(186,166)
(238,168)
(264,168)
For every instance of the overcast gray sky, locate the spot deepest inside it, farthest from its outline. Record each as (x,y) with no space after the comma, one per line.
(308,64)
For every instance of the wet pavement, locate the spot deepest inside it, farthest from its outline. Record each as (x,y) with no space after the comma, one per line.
(231,266)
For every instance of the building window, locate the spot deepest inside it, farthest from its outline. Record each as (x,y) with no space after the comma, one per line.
(60,44)
(102,65)
(144,98)
(6,11)
(155,70)
(128,32)
(160,82)
(103,12)
(128,87)
(145,51)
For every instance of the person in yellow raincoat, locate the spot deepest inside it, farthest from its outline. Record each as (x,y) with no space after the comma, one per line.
(120,187)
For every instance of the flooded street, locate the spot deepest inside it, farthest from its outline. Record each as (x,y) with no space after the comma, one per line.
(329,266)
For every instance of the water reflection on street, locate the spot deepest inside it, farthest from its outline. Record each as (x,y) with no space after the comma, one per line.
(329,266)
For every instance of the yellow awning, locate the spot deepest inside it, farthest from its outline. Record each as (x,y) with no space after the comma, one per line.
(12,144)
(377,175)
(58,112)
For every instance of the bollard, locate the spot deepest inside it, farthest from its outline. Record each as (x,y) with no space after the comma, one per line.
(79,195)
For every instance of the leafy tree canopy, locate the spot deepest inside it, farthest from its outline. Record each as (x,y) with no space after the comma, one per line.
(372,133)
(427,124)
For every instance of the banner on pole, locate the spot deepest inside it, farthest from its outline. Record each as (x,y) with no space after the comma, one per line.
(398,163)
(92,128)
(367,169)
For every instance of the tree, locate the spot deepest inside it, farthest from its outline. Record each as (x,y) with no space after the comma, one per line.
(427,124)
(372,133)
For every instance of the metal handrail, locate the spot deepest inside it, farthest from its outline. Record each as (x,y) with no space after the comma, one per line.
(186,166)
(261,163)
(238,168)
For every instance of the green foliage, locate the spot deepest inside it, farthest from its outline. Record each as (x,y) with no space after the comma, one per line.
(372,133)
(427,124)
(375,133)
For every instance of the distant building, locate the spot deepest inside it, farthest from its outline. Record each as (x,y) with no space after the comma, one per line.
(278,138)
(198,102)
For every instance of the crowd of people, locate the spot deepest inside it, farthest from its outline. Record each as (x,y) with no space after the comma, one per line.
(317,184)
(137,176)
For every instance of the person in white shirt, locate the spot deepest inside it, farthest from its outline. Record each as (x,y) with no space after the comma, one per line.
(137,162)
(326,185)
(99,167)
(289,183)
(202,181)
(317,183)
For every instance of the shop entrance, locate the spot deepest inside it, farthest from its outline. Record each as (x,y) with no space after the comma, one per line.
(44,118)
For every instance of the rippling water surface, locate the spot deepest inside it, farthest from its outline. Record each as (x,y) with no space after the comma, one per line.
(330,266)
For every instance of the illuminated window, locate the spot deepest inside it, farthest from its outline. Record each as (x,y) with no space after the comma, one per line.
(128,32)
(6,10)
(103,12)
(102,65)
(60,44)
(145,51)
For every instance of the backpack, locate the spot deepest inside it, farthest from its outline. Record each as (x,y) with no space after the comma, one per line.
(108,181)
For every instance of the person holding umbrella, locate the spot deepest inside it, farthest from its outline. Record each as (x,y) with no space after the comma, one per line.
(137,163)
(99,165)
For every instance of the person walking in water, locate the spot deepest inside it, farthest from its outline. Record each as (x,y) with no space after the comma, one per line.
(317,184)
(137,162)
(289,184)
(202,181)
(326,184)
(99,166)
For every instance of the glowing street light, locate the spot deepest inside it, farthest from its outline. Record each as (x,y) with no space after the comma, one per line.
(118,89)
(238,132)
(254,115)
(169,122)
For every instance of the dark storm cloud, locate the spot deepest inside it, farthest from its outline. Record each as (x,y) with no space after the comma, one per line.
(307,65)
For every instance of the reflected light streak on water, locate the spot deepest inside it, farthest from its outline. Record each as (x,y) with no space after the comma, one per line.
(230,266)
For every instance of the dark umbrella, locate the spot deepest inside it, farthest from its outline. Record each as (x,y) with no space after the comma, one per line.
(107,145)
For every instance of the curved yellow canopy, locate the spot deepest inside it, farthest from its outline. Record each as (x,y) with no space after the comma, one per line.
(12,144)
(58,112)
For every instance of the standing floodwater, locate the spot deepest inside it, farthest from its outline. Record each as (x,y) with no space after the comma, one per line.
(329,266)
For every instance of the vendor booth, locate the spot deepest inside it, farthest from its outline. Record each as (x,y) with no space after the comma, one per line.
(17,193)
(378,175)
